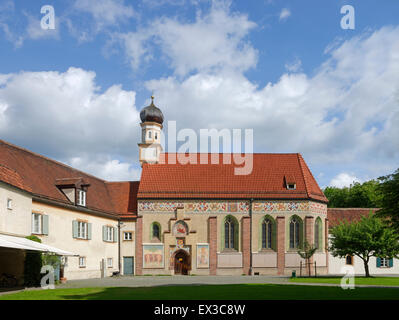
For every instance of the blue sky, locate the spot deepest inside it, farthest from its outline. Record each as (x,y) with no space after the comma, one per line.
(284,68)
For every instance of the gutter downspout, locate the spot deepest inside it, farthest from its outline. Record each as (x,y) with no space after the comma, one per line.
(119,245)
(250,236)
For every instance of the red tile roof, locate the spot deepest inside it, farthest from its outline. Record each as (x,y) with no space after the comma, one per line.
(124,195)
(12,177)
(337,215)
(40,176)
(267,179)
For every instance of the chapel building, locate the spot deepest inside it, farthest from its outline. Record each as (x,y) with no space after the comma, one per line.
(194,218)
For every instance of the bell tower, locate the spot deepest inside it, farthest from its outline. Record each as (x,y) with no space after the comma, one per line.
(151,126)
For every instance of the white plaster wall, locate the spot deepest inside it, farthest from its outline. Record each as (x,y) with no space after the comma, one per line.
(335,264)
(320,259)
(60,236)
(18,219)
(128,247)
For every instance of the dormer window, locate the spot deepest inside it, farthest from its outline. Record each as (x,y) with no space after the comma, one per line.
(82,198)
(291,186)
(290,183)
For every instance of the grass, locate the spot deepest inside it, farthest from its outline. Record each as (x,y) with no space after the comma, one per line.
(380,281)
(210,292)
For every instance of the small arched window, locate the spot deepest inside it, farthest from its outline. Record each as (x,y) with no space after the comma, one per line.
(349,259)
(295,233)
(230,233)
(318,234)
(156,231)
(267,229)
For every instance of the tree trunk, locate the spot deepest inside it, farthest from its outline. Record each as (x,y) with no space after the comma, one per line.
(366,268)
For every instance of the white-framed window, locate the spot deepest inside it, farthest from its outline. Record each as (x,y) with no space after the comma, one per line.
(9,204)
(127,236)
(384,262)
(82,198)
(149,134)
(82,262)
(82,230)
(110,234)
(291,186)
(110,262)
(37,223)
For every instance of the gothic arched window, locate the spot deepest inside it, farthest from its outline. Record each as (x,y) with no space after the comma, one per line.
(267,230)
(295,232)
(318,239)
(230,233)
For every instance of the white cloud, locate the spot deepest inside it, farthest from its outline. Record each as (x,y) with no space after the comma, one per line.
(343,180)
(346,113)
(65,115)
(214,41)
(34,30)
(107,169)
(105,12)
(294,66)
(284,14)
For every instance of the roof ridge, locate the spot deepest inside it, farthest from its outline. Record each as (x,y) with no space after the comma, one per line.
(48,159)
(221,153)
(303,173)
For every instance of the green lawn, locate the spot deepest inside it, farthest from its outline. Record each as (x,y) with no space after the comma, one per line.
(209,292)
(381,281)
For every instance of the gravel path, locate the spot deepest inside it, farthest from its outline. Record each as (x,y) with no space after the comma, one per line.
(149,281)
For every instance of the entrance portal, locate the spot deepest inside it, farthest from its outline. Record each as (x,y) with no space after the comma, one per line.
(182,262)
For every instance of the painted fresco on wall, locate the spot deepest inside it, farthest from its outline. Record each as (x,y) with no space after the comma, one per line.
(202,255)
(180,243)
(180,229)
(153,256)
(233,206)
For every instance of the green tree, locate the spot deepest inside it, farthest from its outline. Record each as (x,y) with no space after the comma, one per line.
(369,237)
(337,197)
(389,192)
(306,253)
(359,195)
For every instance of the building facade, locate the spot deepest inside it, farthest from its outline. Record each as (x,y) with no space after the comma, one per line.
(195,216)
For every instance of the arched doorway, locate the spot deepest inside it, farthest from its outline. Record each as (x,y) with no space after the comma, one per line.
(182,262)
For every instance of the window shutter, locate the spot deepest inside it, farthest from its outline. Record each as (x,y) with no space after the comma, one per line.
(74,229)
(45,224)
(89,231)
(115,234)
(391,262)
(104,233)
(378,262)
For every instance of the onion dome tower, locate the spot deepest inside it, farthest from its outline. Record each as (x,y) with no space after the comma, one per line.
(151,126)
